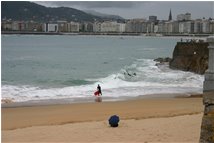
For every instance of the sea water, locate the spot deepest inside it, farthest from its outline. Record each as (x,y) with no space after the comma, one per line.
(38,67)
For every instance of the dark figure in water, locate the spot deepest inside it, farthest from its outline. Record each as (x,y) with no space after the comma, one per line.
(134,74)
(99,89)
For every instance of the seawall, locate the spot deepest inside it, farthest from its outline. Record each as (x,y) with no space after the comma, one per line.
(190,56)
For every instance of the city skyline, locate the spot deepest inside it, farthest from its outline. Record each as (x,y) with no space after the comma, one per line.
(140,9)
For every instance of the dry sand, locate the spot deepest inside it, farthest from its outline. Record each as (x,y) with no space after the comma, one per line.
(143,120)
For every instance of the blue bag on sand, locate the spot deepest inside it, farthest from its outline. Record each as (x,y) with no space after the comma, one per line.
(114,120)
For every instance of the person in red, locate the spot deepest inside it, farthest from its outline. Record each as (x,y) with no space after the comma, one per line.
(98,92)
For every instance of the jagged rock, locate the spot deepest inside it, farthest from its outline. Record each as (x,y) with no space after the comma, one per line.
(161,60)
(190,56)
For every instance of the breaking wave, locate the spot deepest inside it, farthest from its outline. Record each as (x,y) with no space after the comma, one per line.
(142,77)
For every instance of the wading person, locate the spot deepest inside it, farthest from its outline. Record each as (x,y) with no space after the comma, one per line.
(99,89)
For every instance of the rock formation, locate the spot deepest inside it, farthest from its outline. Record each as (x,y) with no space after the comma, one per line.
(190,56)
(163,60)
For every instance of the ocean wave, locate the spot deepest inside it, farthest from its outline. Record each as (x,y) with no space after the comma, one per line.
(140,78)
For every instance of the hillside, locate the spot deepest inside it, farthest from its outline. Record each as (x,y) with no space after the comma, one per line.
(104,16)
(22,10)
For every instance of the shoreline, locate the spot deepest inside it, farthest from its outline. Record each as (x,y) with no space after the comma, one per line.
(107,34)
(8,103)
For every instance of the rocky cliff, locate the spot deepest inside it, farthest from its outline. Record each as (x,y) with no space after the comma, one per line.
(190,56)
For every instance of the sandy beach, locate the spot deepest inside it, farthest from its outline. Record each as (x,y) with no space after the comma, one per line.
(141,120)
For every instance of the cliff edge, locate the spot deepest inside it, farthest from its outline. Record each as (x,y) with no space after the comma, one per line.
(190,56)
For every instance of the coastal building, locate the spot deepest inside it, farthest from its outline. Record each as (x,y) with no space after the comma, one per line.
(183,25)
(205,26)
(180,17)
(186,27)
(21,26)
(161,27)
(122,27)
(112,26)
(155,28)
(184,17)
(97,27)
(50,27)
(16,26)
(33,26)
(168,26)
(109,26)
(152,18)
(6,25)
(175,27)
(187,16)
(87,27)
(136,26)
(73,27)
(62,26)
(197,26)
(212,26)
(150,27)
(128,27)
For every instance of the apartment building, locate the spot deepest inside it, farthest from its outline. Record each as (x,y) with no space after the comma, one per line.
(205,26)
(73,27)
(186,27)
(184,17)
(136,26)
(97,27)
(182,25)
(197,26)
(50,27)
(112,26)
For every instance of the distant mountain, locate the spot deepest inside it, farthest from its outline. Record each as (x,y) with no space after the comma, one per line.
(102,15)
(23,10)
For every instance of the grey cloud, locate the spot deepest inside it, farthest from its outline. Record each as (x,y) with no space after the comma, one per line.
(140,9)
(92,4)
(108,4)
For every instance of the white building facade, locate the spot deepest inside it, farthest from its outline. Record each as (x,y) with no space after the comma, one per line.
(49,27)
(205,26)
(73,27)
(97,27)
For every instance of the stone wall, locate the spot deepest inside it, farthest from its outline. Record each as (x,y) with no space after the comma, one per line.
(207,126)
(190,56)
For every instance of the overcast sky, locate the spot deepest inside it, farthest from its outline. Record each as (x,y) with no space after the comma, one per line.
(141,9)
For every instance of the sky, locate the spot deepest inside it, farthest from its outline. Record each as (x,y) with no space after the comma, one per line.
(141,9)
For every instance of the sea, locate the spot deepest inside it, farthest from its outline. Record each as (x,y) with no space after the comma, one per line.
(69,67)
